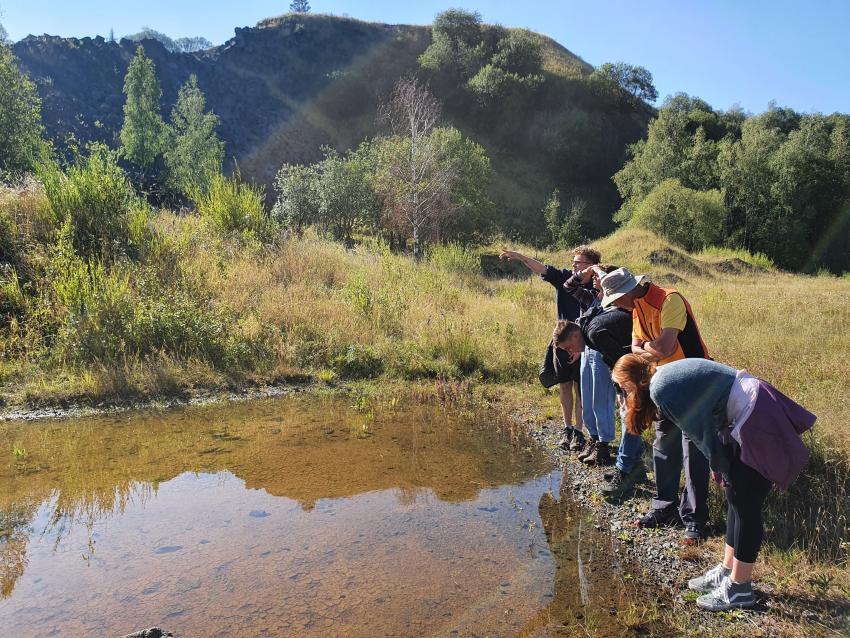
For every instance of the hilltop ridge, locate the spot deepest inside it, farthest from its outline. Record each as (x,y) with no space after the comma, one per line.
(293,83)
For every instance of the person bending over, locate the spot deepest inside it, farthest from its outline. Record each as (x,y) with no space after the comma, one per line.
(747,430)
(663,330)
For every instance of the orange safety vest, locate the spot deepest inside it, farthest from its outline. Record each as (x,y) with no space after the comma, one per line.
(646,318)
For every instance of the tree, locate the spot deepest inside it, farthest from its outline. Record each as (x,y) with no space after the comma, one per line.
(21,142)
(634,80)
(188,45)
(747,175)
(468,203)
(412,178)
(457,47)
(146,33)
(4,35)
(143,135)
(552,216)
(297,202)
(347,199)
(196,152)
(565,230)
(299,6)
(180,45)
(654,159)
(515,70)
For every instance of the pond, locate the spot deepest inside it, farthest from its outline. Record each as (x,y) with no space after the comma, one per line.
(294,517)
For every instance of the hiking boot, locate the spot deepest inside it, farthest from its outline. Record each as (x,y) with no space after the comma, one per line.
(567,438)
(600,456)
(578,441)
(587,449)
(668,517)
(694,534)
(728,595)
(621,482)
(710,580)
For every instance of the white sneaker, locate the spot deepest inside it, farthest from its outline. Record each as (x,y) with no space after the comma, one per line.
(728,595)
(710,580)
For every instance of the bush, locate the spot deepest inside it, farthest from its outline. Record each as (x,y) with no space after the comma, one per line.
(692,219)
(455,258)
(357,361)
(108,316)
(92,201)
(233,207)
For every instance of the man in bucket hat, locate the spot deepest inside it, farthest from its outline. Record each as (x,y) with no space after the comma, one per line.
(664,330)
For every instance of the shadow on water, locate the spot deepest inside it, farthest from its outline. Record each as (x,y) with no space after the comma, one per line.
(593,593)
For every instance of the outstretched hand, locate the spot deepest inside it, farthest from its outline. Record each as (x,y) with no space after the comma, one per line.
(509,255)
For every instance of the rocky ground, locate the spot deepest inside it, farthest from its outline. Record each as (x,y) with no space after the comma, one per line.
(664,562)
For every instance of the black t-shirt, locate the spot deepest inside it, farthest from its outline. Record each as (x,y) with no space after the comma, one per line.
(608,331)
(568,307)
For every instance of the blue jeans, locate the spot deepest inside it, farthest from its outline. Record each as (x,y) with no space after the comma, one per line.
(631,447)
(597,395)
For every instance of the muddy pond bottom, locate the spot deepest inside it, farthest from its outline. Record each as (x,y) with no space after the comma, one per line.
(294,517)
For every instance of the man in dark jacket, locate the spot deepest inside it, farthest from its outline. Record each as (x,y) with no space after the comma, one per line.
(568,309)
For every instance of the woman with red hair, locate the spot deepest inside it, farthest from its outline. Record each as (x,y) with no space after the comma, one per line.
(748,431)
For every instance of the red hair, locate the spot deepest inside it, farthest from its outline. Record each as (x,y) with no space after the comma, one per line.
(633,373)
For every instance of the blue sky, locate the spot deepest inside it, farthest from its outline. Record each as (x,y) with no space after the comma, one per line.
(725,51)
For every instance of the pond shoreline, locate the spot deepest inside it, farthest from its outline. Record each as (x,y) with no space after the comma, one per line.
(191,397)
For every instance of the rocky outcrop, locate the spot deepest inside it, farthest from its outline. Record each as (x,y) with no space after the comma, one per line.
(152,632)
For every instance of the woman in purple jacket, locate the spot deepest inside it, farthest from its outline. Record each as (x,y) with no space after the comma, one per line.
(750,434)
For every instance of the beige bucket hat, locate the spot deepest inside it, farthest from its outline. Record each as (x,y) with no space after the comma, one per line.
(618,283)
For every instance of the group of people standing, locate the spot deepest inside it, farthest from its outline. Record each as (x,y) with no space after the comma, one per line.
(622,343)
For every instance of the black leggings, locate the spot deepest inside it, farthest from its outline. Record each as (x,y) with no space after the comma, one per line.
(746,493)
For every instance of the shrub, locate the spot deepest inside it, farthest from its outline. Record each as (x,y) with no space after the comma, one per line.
(108,316)
(455,258)
(233,207)
(357,361)
(689,218)
(297,204)
(93,201)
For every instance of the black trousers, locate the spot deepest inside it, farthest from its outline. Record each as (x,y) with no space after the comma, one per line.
(746,493)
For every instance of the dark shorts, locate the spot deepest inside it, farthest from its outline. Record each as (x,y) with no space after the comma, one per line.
(564,372)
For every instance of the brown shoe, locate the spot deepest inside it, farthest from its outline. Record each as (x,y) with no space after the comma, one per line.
(600,456)
(578,441)
(587,449)
(567,439)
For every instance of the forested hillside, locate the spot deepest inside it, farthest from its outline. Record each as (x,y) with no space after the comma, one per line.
(292,84)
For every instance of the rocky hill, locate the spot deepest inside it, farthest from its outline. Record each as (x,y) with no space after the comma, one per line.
(294,83)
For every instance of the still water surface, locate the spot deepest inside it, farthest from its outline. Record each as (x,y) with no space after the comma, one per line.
(293,517)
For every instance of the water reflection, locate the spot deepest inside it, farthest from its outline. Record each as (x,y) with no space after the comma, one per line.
(290,517)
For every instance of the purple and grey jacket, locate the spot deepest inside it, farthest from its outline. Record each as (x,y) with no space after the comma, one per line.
(770,437)
(693,394)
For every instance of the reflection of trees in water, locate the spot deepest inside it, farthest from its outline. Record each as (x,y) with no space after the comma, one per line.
(85,471)
(14,535)
(66,508)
